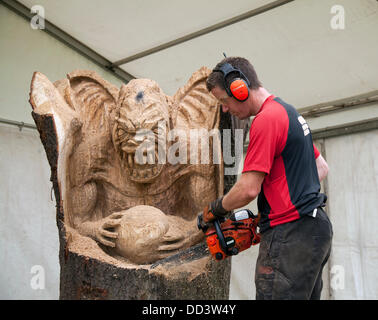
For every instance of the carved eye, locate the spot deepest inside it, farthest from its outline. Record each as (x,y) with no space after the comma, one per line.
(126,125)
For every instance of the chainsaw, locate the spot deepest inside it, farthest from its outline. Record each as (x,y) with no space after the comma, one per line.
(228,237)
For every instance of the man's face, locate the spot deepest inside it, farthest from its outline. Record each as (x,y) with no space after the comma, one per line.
(230,104)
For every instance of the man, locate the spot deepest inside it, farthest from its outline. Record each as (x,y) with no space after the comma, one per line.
(284,169)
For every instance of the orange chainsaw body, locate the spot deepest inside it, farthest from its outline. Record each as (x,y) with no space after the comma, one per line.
(232,236)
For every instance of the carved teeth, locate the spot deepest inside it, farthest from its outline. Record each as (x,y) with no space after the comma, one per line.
(151,159)
(144,173)
(130,160)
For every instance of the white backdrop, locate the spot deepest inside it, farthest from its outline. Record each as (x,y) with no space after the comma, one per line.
(353,202)
(29,235)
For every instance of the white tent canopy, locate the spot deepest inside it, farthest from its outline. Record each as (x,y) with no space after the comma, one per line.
(291,43)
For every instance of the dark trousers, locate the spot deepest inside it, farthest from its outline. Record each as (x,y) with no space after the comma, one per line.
(291,259)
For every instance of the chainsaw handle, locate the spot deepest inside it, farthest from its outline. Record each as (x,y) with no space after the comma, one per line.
(220,235)
(252,215)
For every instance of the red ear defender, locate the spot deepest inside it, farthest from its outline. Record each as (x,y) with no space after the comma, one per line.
(239,89)
(235,85)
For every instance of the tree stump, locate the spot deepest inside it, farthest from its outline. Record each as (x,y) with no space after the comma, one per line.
(191,274)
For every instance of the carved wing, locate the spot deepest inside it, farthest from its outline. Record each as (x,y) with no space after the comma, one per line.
(93,98)
(197,108)
(82,107)
(83,95)
(46,100)
(58,123)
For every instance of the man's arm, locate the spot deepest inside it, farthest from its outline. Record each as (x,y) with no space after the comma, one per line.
(244,191)
(322,167)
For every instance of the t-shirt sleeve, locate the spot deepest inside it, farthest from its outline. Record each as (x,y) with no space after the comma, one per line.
(316,151)
(267,138)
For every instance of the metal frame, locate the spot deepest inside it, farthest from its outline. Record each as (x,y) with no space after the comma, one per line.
(113,67)
(68,40)
(191,36)
(18,124)
(308,112)
(344,129)
(360,100)
(340,130)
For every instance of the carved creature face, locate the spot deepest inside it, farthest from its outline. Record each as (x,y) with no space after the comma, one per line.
(140,129)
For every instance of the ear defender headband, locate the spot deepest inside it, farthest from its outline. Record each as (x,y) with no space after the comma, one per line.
(235,82)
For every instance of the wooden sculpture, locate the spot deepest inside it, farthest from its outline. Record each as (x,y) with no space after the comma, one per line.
(129,176)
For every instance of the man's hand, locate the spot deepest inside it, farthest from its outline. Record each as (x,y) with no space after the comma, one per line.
(217,209)
(213,211)
(207,215)
(204,218)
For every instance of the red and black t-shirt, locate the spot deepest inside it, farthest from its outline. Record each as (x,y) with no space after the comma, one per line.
(280,144)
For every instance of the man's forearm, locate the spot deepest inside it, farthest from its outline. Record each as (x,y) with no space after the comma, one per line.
(322,167)
(244,191)
(237,197)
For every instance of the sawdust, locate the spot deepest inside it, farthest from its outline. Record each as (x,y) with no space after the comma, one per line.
(189,270)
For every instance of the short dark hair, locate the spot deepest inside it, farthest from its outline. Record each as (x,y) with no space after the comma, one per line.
(215,79)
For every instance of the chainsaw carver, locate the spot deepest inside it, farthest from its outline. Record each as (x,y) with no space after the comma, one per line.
(283,168)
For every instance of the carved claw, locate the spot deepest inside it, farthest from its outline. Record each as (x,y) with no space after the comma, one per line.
(172,242)
(106,242)
(108,237)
